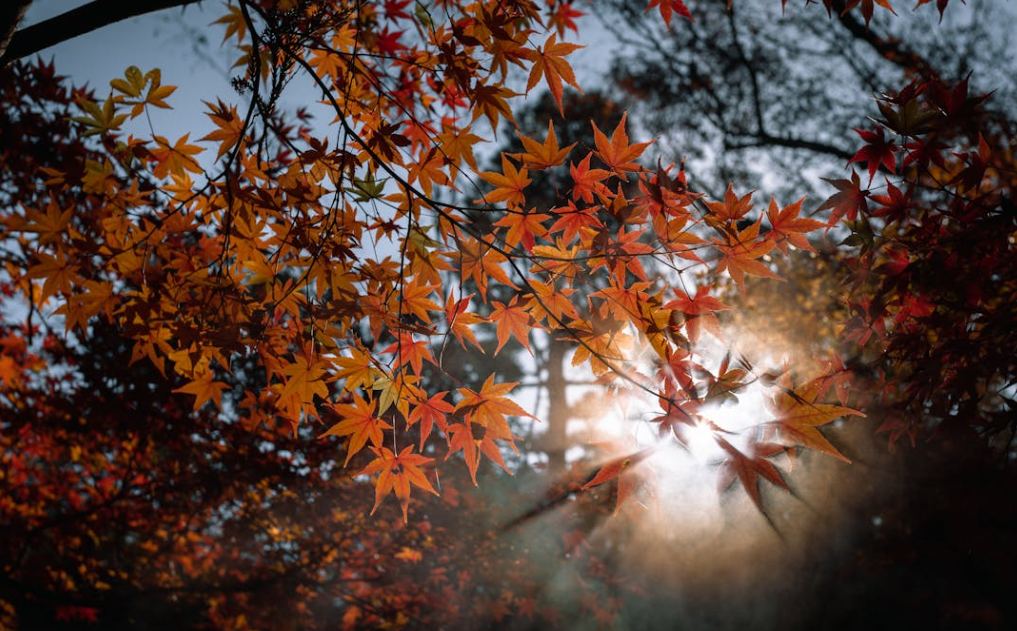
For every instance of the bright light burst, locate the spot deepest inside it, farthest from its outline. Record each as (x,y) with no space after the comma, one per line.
(685,465)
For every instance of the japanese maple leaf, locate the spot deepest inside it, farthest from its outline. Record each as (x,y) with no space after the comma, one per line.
(749,467)
(678,415)
(624,470)
(622,301)
(940,4)
(623,255)
(867,7)
(668,7)
(797,415)
(394,9)
(550,300)
(544,155)
(924,152)
(388,43)
(460,320)
(739,253)
(205,389)
(410,351)
(358,370)
(523,227)
(414,300)
(482,262)
(509,184)
(305,378)
(587,180)
(397,473)
(616,466)
(564,17)
(895,205)
(474,439)
(491,101)
(177,158)
(230,124)
(573,221)
(848,200)
(59,273)
(876,152)
(50,226)
(600,348)
(548,61)
(457,145)
(617,153)
(512,319)
(558,260)
(489,406)
(699,311)
(400,389)
(732,208)
(359,423)
(787,227)
(430,412)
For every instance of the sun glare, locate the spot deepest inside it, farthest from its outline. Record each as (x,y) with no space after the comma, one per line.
(685,466)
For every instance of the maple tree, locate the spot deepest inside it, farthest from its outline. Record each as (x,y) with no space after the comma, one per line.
(946,213)
(269,278)
(278,270)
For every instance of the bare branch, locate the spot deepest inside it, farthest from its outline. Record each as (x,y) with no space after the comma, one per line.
(84,19)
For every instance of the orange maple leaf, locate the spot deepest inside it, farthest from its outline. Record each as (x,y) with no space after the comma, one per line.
(429,412)
(399,474)
(787,227)
(359,423)
(544,155)
(797,415)
(460,320)
(548,61)
(748,468)
(410,351)
(474,439)
(548,299)
(574,221)
(587,180)
(524,227)
(739,252)
(358,371)
(617,153)
(509,184)
(305,379)
(489,406)
(732,208)
(512,319)
(415,300)
(481,261)
(698,311)
(205,389)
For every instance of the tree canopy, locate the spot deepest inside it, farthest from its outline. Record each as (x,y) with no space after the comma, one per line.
(285,306)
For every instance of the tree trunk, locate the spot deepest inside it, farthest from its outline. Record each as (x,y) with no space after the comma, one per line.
(558,411)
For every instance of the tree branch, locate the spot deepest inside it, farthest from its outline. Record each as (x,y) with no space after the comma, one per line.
(11,14)
(767,140)
(890,49)
(84,19)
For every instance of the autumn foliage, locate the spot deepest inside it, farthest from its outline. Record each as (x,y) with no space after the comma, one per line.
(284,282)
